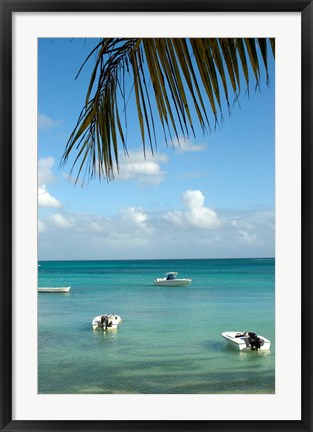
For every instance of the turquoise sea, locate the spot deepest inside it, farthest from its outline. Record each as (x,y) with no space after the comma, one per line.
(169,341)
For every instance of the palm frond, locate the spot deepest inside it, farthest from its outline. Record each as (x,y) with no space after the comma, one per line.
(192,80)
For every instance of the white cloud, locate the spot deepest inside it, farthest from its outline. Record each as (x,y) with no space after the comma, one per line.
(45,173)
(196,214)
(247,237)
(78,223)
(250,228)
(175,217)
(60,221)
(145,170)
(204,218)
(195,231)
(45,122)
(193,199)
(45,199)
(186,145)
(134,215)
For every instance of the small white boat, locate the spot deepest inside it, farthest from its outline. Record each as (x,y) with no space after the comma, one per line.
(106,322)
(54,289)
(171,279)
(246,340)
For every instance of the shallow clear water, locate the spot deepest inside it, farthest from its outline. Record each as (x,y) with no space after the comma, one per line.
(169,340)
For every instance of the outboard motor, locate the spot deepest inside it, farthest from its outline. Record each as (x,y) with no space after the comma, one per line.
(260,342)
(255,341)
(104,322)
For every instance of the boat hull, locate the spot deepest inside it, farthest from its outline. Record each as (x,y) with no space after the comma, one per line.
(173,282)
(113,321)
(242,343)
(54,289)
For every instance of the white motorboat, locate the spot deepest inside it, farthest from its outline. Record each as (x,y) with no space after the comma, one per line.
(171,279)
(54,289)
(246,340)
(106,322)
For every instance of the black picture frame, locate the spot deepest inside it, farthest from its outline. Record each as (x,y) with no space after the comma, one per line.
(8,7)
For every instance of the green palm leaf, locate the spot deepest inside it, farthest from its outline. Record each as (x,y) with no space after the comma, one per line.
(191,80)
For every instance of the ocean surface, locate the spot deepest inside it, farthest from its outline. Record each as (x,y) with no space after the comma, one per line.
(169,341)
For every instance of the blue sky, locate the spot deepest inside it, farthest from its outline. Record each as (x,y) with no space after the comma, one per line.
(212,197)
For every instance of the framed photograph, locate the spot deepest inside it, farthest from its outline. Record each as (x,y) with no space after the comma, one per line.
(156,215)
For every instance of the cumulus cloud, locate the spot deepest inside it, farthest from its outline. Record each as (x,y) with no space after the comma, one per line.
(197,214)
(60,221)
(45,122)
(77,223)
(175,218)
(45,199)
(193,199)
(134,215)
(101,236)
(145,170)
(204,218)
(134,232)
